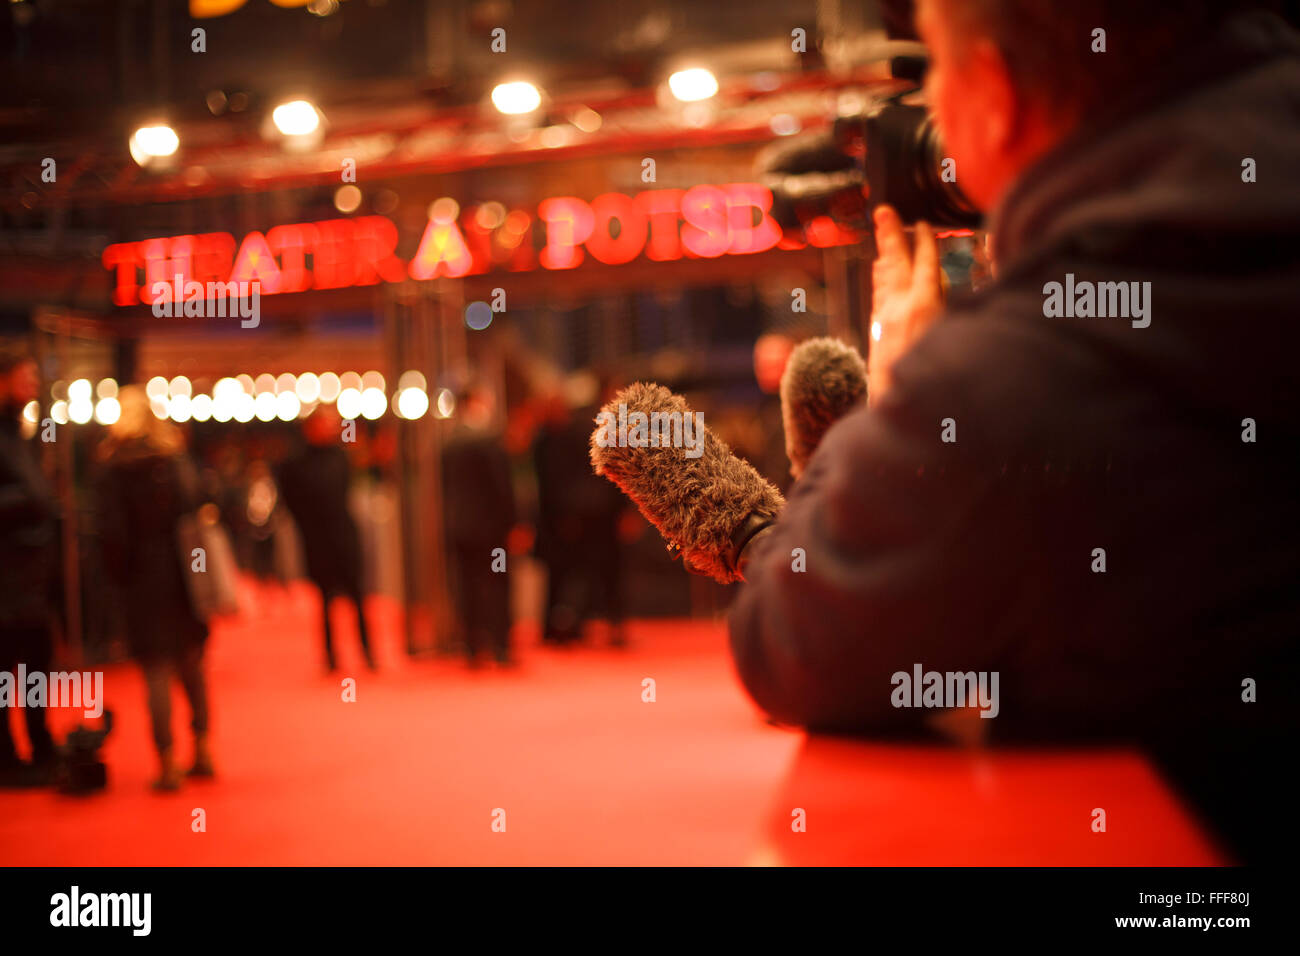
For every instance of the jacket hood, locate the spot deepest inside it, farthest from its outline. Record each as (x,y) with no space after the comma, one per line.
(1171,156)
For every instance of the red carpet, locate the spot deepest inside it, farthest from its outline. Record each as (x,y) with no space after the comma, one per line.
(586,772)
(412,772)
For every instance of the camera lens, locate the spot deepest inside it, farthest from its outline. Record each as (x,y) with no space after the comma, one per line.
(948,203)
(905,168)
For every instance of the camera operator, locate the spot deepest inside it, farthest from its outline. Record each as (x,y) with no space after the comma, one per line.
(1102,510)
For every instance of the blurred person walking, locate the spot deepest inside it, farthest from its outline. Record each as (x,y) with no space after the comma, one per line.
(314,487)
(29,539)
(577,523)
(148,494)
(479,511)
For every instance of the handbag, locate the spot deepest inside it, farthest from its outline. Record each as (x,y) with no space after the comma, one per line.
(214,589)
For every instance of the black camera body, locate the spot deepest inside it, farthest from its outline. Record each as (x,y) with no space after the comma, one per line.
(891,153)
(906,168)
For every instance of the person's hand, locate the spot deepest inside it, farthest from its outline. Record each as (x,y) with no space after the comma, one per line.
(906,293)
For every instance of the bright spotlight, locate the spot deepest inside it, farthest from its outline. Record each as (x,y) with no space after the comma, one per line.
(329,387)
(81,410)
(245,407)
(287,406)
(226,389)
(308,387)
(412,403)
(296,118)
(79,391)
(349,403)
(694,84)
(179,410)
(201,407)
(515,98)
(264,406)
(107,411)
(223,406)
(373,403)
(151,142)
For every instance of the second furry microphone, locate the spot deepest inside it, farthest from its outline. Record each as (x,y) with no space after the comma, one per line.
(824,380)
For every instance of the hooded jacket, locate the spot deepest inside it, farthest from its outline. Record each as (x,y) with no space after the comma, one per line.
(1101,510)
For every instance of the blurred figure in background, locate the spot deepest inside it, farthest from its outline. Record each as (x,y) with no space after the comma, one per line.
(556,537)
(314,486)
(232,499)
(478,513)
(577,536)
(147,491)
(259,521)
(29,558)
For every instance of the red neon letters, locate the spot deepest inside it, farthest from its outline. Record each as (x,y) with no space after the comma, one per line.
(664,224)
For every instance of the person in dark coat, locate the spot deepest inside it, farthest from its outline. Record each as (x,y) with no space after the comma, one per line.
(559,529)
(146,490)
(29,556)
(1102,510)
(314,486)
(578,515)
(478,513)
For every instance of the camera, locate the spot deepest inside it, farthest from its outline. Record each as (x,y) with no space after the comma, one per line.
(905,167)
(889,153)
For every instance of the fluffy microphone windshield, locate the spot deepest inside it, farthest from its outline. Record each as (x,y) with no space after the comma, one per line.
(682,477)
(824,380)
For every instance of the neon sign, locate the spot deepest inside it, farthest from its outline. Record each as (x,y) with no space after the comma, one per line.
(614,229)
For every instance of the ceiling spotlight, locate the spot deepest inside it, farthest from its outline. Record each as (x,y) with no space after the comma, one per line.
(296,118)
(693,84)
(153,142)
(515,98)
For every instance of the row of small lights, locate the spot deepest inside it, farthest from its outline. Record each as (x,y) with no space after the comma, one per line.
(521,97)
(244,398)
(299,120)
